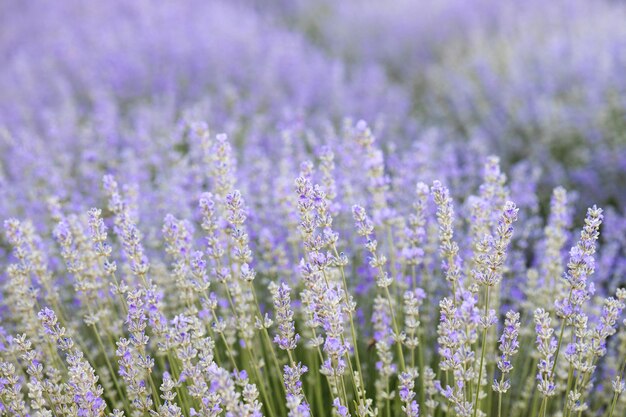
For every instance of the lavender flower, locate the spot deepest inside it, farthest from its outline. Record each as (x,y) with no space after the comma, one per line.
(492,274)
(295,398)
(135,363)
(581,266)
(547,347)
(509,346)
(287,338)
(411,408)
(448,248)
(365,228)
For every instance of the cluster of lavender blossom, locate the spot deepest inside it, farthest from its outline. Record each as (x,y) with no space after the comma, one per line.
(305,263)
(347,303)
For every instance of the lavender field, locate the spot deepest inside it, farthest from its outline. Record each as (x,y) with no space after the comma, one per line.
(307,208)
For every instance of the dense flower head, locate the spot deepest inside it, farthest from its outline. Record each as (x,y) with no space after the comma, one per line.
(509,346)
(286,338)
(547,347)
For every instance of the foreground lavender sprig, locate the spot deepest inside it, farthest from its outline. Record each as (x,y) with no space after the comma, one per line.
(287,338)
(491,276)
(410,407)
(295,398)
(547,346)
(383,280)
(509,346)
(82,379)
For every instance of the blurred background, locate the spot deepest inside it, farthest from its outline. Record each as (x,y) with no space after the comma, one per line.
(89,87)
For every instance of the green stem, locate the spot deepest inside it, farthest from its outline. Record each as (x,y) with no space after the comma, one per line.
(395,330)
(352,328)
(544,406)
(108,362)
(482,355)
(558,347)
(421,371)
(267,400)
(613,402)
